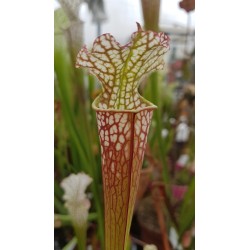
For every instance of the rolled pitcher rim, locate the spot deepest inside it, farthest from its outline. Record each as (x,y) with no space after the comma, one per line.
(150,107)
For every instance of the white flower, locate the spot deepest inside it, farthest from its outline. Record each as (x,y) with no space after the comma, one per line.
(75,197)
(150,247)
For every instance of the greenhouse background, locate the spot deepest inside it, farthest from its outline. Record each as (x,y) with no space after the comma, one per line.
(172,19)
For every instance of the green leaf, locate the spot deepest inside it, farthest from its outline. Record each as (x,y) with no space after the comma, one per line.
(71,245)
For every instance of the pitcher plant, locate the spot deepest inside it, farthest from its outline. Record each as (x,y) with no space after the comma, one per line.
(123,118)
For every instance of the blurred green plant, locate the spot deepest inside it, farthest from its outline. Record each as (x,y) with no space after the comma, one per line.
(75,141)
(159,92)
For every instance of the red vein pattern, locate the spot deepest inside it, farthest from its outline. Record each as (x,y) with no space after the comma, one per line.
(120,68)
(123,137)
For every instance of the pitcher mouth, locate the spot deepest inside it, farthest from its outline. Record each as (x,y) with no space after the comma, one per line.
(148,106)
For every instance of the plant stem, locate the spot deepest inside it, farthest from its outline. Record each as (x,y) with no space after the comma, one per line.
(81,234)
